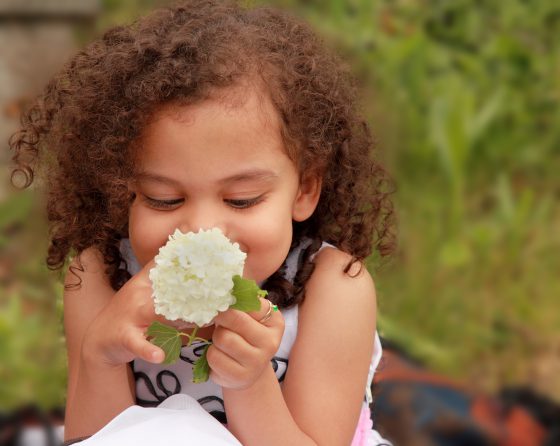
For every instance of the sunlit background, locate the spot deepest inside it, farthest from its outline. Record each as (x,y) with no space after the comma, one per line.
(463,98)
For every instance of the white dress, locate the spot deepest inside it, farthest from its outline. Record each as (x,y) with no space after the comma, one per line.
(157,382)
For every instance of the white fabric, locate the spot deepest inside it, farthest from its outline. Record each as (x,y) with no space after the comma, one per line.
(179,420)
(375,360)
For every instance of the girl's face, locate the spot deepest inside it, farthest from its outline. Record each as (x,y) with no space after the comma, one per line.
(217,165)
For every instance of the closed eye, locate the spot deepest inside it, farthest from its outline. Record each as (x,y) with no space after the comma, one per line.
(162,204)
(245,203)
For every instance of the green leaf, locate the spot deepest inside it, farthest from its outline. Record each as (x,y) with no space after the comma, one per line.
(167,338)
(201,369)
(247,293)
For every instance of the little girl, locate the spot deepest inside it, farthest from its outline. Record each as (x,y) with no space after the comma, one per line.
(204,115)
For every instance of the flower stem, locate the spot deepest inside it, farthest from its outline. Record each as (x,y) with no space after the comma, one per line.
(192,336)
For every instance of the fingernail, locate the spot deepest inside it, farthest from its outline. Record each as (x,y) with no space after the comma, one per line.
(274,307)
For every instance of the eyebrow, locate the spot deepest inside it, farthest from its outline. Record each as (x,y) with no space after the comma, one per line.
(249,175)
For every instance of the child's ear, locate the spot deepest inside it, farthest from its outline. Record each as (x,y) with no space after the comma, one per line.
(307,197)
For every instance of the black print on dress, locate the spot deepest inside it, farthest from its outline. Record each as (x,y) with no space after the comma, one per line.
(190,355)
(279,365)
(161,384)
(209,404)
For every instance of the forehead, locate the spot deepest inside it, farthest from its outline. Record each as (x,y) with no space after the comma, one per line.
(238,128)
(249,104)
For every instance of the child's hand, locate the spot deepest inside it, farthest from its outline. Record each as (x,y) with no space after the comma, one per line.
(242,346)
(117,335)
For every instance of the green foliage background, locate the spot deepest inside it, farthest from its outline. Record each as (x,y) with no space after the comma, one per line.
(463,98)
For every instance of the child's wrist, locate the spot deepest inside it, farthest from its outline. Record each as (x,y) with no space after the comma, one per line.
(97,364)
(263,379)
(93,357)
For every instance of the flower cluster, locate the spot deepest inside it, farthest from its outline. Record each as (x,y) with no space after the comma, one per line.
(192,279)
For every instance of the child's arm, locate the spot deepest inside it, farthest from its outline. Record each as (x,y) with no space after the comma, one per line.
(321,397)
(103,333)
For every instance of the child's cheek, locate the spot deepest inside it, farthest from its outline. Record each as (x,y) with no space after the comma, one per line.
(147,234)
(268,247)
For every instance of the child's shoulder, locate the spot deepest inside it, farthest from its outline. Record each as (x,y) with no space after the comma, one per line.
(331,255)
(331,291)
(87,263)
(86,280)
(330,266)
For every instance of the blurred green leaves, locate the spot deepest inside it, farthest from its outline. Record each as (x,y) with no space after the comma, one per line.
(33,369)
(464,100)
(12,212)
(32,360)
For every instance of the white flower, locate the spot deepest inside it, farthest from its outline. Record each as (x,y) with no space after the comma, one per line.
(193,276)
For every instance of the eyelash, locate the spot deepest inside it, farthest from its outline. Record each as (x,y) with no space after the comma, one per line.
(244,204)
(235,204)
(162,204)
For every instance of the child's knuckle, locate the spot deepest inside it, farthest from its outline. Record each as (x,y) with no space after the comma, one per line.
(219,337)
(238,318)
(217,379)
(270,347)
(211,356)
(227,341)
(126,341)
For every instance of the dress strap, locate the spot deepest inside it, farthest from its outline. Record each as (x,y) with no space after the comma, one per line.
(132,265)
(295,258)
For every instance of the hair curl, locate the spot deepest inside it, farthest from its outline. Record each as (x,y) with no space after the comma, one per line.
(79,133)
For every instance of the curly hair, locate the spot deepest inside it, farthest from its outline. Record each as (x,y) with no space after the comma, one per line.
(79,134)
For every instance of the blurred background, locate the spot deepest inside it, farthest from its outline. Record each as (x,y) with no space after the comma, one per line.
(463,99)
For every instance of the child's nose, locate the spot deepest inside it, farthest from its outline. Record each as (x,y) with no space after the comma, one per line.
(199,218)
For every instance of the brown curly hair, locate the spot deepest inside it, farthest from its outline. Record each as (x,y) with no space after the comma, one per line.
(80,132)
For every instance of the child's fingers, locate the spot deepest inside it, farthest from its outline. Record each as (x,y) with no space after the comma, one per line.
(218,379)
(262,335)
(224,365)
(241,323)
(143,276)
(265,312)
(233,345)
(136,344)
(146,312)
